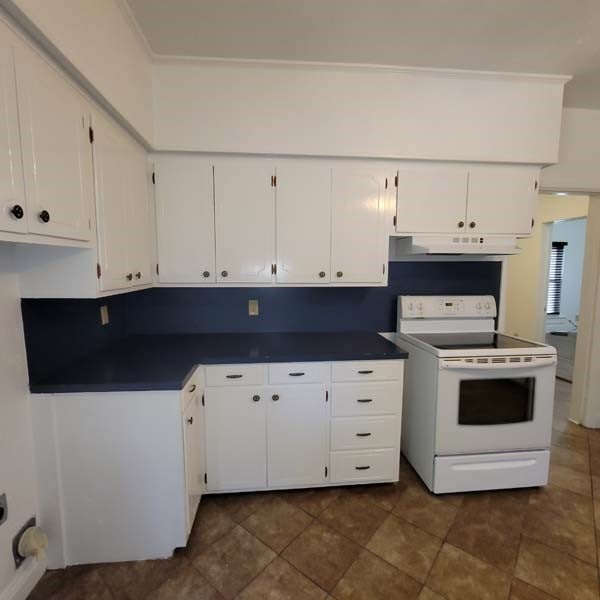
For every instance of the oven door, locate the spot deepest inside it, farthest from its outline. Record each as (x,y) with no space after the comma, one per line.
(485,407)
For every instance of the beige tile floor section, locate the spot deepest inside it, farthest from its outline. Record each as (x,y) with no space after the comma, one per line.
(380,542)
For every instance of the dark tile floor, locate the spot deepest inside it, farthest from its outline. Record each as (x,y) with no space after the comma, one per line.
(380,542)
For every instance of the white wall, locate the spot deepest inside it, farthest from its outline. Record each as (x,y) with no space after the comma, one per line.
(526,273)
(17,474)
(572,232)
(282,108)
(577,169)
(98,39)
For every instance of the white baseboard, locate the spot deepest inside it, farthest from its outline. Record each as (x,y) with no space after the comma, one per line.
(24,580)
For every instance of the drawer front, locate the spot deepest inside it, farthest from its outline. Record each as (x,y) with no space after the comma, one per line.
(317,372)
(364,432)
(367,370)
(370,465)
(350,399)
(236,375)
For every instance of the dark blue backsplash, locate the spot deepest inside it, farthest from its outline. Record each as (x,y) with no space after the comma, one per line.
(59,331)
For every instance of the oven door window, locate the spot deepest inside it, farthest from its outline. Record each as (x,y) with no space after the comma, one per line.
(496,401)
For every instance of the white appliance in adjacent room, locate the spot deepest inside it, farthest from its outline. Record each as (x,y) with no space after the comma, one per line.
(478,404)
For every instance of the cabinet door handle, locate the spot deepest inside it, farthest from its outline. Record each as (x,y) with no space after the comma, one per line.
(298,374)
(44,216)
(129,276)
(363,468)
(233,376)
(192,388)
(275,397)
(367,372)
(17,211)
(363,434)
(255,398)
(190,420)
(365,400)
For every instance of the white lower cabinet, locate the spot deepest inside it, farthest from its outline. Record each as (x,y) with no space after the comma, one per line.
(193,431)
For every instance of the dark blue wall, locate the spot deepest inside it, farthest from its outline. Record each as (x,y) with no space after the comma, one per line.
(59,331)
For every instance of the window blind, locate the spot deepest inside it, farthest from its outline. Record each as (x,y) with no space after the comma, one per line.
(555,276)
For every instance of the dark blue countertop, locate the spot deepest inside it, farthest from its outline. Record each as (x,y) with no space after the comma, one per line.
(166,362)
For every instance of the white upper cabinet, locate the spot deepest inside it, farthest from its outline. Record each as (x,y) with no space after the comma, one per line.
(502,200)
(357,234)
(185,215)
(431,200)
(303,223)
(245,221)
(57,159)
(297,435)
(12,188)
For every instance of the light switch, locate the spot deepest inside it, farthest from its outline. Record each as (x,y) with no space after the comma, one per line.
(253,308)
(104,315)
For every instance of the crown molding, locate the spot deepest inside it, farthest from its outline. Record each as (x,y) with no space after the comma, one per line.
(135,28)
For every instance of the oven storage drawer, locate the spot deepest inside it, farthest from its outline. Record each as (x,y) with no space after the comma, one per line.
(350,399)
(490,471)
(313,372)
(364,432)
(370,465)
(236,375)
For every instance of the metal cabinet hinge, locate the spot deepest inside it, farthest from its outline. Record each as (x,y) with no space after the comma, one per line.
(273,269)
(396,181)
(153,178)
(326,395)
(202,399)
(326,471)
(395,220)
(273,180)
(386,183)
(98,270)
(205,478)
(91,134)
(384,268)
(157,269)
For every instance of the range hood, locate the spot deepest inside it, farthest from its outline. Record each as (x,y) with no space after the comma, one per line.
(456,244)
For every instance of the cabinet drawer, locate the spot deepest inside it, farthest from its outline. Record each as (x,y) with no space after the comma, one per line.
(370,465)
(364,432)
(316,372)
(349,399)
(367,370)
(236,375)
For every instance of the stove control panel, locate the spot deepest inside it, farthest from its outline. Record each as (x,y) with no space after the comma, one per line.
(446,307)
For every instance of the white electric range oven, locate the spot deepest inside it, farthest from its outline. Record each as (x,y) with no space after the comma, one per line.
(478,404)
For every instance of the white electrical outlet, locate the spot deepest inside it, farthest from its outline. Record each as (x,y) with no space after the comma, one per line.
(104,315)
(253,308)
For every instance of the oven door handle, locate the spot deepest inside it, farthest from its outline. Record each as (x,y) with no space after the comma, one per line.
(463,365)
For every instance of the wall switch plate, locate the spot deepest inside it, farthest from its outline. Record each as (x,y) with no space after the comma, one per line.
(253,308)
(104,315)
(3,508)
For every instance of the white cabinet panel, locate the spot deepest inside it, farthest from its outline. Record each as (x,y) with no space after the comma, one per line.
(502,200)
(356,240)
(193,456)
(431,200)
(297,426)
(245,221)
(303,223)
(13,207)
(185,219)
(236,438)
(57,158)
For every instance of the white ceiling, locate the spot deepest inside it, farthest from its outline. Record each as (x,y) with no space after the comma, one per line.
(530,36)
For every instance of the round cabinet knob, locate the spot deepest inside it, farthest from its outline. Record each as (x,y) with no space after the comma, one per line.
(207,274)
(472,224)
(129,276)
(321,274)
(461,224)
(339,274)
(138,275)
(44,216)
(17,211)
(224,273)
(255,398)
(275,397)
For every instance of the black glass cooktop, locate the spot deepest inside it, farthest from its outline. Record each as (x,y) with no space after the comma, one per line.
(473,341)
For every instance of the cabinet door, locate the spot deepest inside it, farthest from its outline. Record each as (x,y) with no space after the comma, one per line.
(298,435)
(431,200)
(57,158)
(194,456)
(236,438)
(137,180)
(245,221)
(111,157)
(303,223)
(502,200)
(12,188)
(357,232)
(185,219)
